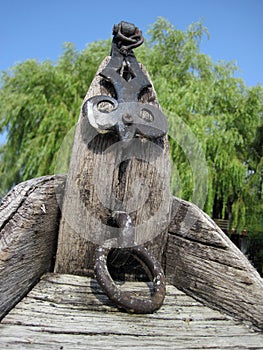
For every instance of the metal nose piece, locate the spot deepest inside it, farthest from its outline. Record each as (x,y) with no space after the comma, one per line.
(127,119)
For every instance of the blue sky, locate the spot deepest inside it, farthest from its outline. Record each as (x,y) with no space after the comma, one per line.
(37,29)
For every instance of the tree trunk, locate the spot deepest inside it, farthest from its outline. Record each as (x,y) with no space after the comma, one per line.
(106,176)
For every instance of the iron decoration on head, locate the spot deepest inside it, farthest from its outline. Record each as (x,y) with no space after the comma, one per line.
(126,116)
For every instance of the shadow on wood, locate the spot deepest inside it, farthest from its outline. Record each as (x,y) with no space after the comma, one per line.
(197,257)
(105,176)
(200,259)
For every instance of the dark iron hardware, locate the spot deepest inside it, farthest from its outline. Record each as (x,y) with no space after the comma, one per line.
(127,117)
(127,300)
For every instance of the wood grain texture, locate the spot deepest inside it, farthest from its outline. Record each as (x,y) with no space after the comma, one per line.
(204,263)
(104,176)
(198,257)
(71,312)
(29,217)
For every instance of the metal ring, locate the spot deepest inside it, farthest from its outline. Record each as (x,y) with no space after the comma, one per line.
(127,300)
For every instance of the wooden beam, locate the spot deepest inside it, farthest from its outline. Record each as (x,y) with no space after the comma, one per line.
(198,257)
(29,218)
(203,262)
(71,312)
(104,176)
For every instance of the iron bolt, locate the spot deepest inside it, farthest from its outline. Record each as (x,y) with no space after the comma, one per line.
(127,119)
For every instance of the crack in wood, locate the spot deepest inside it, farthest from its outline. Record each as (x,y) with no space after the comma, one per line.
(191,239)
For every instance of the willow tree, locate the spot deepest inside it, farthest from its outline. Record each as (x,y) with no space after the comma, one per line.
(224,114)
(40,102)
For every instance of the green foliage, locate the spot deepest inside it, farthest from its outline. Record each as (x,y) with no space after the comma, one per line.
(40,103)
(224,114)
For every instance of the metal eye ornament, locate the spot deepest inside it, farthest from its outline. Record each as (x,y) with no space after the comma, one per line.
(126,118)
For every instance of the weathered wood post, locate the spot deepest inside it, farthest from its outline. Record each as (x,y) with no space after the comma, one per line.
(118,170)
(117,195)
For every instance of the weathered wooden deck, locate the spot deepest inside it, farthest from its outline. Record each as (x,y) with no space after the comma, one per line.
(70,312)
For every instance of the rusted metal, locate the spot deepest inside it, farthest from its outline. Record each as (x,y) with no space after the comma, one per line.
(127,119)
(125,300)
(127,36)
(127,116)
(128,300)
(126,238)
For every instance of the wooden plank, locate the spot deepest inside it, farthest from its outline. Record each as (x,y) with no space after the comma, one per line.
(29,217)
(202,261)
(71,312)
(198,257)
